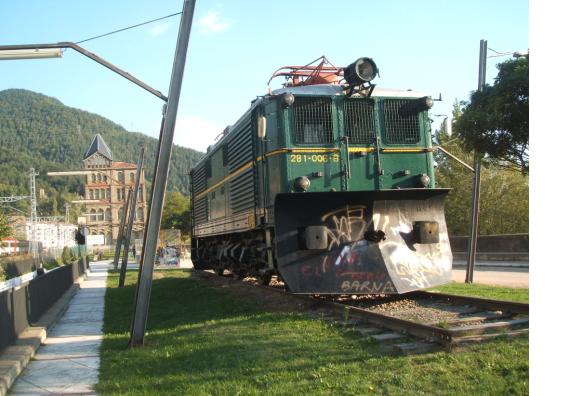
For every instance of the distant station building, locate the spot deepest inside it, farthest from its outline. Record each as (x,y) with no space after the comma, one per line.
(49,234)
(106,191)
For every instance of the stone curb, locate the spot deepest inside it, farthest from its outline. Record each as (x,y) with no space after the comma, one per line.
(15,358)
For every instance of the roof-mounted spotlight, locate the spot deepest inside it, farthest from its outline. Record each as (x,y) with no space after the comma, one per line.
(358,76)
(361,71)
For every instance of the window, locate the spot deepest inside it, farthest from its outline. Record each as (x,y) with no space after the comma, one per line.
(359,123)
(132,177)
(401,121)
(208,167)
(312,120)
(139,214)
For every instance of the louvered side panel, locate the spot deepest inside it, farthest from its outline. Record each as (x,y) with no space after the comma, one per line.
(240,147)
(242,192)
(201,211)
(199,181)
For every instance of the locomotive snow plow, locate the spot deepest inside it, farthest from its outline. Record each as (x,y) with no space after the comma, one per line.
(364,242)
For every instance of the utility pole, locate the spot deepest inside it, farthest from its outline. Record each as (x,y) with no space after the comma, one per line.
(476,180)
(131,218)
(67,206)
(34,217)
(120,236)
(160,177)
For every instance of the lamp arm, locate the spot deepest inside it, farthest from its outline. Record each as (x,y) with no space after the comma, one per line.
(83,51)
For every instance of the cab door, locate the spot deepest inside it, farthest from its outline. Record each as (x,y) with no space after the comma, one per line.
(359,142)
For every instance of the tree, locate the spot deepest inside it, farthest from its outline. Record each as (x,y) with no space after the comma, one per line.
(5,229)
(504,196)
(176,213)
(496,121)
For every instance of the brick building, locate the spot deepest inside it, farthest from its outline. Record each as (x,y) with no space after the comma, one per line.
(106,191)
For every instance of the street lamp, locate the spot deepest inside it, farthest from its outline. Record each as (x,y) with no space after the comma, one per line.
(471,258)
(36,53)
(54,50)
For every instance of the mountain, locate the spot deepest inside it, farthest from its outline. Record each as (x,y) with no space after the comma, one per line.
(39,131)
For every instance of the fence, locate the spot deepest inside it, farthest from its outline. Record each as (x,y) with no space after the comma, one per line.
(494,247)
(23,306)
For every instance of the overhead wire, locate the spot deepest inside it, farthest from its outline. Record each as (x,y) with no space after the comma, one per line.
(128,27)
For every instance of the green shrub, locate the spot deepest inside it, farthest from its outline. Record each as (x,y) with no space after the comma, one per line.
(50,263)
(66,255)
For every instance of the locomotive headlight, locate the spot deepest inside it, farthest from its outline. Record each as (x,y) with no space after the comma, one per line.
(424,103)
(424,180)
(301,184)
(288,99)
(361,71)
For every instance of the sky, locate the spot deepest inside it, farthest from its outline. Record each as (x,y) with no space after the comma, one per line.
(235,46)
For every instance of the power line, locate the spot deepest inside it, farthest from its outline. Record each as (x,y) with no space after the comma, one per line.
(127,28)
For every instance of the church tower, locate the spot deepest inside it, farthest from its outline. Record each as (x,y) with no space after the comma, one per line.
(106,191)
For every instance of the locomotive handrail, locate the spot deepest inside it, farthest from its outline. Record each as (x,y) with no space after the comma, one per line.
(454,158)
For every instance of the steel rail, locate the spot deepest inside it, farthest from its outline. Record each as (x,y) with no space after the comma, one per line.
(496,305)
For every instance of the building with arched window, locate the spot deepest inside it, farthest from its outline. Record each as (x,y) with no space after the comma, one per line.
(106,190)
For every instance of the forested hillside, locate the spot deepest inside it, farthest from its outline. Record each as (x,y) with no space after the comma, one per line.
(39,131)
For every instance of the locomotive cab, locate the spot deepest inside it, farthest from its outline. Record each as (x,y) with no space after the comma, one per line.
(359,212)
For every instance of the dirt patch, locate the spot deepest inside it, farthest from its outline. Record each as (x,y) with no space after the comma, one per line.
(273,301)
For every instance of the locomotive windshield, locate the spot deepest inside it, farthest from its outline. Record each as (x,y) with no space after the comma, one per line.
(359,120)
(401,120)
(312,120)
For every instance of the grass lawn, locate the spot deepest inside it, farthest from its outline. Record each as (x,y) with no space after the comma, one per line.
(202,341)
(485,291)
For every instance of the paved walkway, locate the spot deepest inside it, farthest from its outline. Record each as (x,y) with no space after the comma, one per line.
(496,276)
(68,362)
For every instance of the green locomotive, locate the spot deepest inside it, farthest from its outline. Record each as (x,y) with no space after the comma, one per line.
(328,183)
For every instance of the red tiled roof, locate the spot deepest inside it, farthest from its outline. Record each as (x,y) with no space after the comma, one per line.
(126,165)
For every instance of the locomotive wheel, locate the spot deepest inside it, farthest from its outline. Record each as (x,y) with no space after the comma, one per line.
(266,278)
(219,268)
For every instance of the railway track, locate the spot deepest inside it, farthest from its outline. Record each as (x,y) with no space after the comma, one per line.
(416,322)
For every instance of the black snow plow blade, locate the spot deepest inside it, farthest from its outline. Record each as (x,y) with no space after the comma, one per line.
(372,242)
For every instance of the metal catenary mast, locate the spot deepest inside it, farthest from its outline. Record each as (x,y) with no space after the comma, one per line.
(33,216)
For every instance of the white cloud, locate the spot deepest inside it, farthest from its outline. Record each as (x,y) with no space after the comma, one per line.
(212,23)
(196,133)
(159,29)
